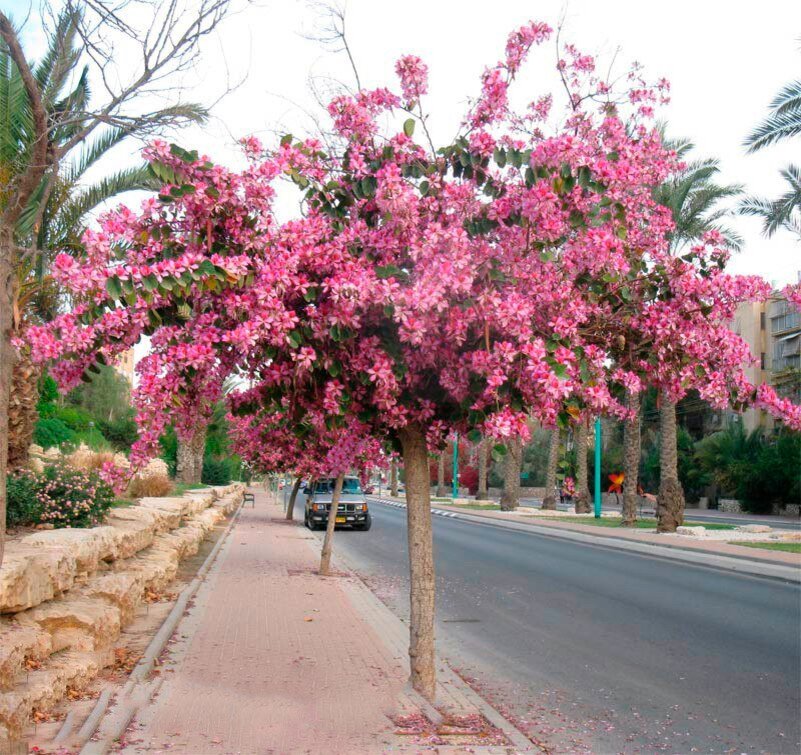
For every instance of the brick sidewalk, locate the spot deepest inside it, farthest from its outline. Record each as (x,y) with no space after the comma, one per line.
(273,658)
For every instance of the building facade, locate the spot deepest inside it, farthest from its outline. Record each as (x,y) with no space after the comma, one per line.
(773,331)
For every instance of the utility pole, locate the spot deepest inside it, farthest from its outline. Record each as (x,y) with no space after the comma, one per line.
(455,465)
(597,467)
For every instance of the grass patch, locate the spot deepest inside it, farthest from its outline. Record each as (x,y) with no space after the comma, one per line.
(640,524)
(479,506)
(181,487)
(785,547)
(121,503)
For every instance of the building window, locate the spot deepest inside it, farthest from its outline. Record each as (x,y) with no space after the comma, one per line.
(762,361)
(762,318)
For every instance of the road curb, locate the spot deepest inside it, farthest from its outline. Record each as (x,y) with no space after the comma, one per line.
(740,564)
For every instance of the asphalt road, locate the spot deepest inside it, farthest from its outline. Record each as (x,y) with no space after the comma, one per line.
(600,650)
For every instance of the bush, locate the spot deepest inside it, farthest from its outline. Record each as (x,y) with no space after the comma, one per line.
(150,485)
(52,432)
(216,471)
(61,495)
(22,504)
(74,418)
(121,433)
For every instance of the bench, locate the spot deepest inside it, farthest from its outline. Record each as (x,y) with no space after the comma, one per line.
(249,498)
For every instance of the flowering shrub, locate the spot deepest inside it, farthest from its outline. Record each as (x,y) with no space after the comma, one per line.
(61,496)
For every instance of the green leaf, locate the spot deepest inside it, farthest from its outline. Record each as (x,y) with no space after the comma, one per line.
(388,271)
(408,127)
(114,288)
(424,187)
(474,436)
(286,139)
(499,452)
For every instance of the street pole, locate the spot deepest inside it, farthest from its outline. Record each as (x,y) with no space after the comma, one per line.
(597,467)
(456,465)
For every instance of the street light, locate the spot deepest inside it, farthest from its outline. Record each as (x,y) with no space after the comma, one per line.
(597,467)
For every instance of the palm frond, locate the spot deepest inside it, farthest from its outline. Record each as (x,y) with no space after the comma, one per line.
(788,98)
(777,126)
(71,217)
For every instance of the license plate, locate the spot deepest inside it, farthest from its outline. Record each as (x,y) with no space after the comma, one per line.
(340,520)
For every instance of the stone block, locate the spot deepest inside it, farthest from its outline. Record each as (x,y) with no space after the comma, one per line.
(122,589)
(19,643)
(691,531)
(755,528)
(89,546)
(30,575)
(160,519)
(78,623)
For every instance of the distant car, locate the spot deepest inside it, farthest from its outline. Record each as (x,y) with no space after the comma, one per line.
(352,510)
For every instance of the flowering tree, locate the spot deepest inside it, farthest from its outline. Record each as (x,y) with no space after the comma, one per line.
(422,291)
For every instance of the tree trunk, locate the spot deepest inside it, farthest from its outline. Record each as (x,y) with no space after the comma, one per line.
(631,461)
(189,467)
(328,542)
(510,497)
(393,478)
(481,493)
(549,501)
(421,561)
(7,357)
(441,475)
(22,414)
(290,507)
(670,501)
(582,505)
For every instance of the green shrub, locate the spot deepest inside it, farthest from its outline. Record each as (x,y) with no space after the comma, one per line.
(121,433)
(93,439)
(61,496)
(216,471)
(169,449)
(52,432)
(22,504)
(74,418)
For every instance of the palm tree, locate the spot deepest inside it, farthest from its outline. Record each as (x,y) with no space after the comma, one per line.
(57,213)
(694,200)
(512,464)
(782,122)
(549,499)
(582,505)
(784,212)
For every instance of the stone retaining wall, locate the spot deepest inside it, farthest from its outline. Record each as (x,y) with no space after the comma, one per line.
(66,594)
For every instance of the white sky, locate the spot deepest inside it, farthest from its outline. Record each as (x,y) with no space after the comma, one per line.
(725,61)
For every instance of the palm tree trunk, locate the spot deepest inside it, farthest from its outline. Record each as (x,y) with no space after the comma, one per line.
(328,541)
(290,507)
(582,488)
(631,461)
(441,475)
(510,497)
(549,501)
(421,561)
(22,414)
(189,467)
(393,478)
(7,357)
(670,501)
(481,493)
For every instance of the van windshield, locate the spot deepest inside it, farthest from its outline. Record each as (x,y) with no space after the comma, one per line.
(350,486)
